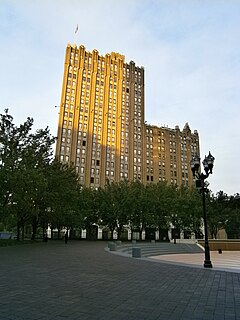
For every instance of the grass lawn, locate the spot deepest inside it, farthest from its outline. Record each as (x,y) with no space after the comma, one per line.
(11,242)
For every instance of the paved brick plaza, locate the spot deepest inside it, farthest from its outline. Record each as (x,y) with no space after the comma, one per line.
(81,280)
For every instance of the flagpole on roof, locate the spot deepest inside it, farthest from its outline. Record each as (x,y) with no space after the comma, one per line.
(75,34)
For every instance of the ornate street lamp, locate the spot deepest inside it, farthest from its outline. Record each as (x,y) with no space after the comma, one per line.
(202,185)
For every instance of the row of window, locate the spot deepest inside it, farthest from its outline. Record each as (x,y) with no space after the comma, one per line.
(110,138)
(96,172)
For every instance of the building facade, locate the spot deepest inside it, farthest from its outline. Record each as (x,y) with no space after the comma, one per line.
(168,154)
(102,130)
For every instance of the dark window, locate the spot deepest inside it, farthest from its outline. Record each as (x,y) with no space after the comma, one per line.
(98,162)
(84,143)
(92,180)
(147,178)
(151,178)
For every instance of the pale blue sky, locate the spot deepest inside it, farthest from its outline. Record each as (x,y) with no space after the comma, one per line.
(190,50)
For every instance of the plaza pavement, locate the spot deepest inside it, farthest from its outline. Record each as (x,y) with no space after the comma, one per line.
(83,281)
(227,261)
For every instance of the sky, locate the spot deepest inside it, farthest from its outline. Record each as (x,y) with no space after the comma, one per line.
(190,51)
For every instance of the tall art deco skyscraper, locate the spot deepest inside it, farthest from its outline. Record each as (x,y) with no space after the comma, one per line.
(101,128)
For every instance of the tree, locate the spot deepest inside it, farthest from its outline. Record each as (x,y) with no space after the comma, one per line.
(13,141)
(232,223)
(187,209)
(161,202)
(123,203)
(36,158)
(63,192)
(24,157)
(90,210)
(217,212)
(114,206)
(137,207)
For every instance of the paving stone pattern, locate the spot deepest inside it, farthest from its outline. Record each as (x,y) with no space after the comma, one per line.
(82,281)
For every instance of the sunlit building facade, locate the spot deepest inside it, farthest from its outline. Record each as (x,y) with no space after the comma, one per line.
(102,129)
(168,154)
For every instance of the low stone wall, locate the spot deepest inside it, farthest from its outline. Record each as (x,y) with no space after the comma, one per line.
(224,245)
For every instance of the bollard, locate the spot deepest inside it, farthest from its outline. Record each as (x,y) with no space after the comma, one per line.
(112,246)
(219,251)
(136,252)
(109,244)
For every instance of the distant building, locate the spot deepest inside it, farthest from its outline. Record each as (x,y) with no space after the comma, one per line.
(102,129)
(168,154)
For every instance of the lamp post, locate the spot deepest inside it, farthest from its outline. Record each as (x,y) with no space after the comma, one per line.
(202,185)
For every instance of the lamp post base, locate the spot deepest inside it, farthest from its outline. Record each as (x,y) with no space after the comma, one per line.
(207,264)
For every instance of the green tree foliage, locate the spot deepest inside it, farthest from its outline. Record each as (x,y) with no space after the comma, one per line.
(90,210)
(38,191)
(63,190)
(154,206)
(217,212)
(114,206)
(13,141)
(35,189)
(232,222)
(24,157)
(160,198)
(138,209)
(187,210)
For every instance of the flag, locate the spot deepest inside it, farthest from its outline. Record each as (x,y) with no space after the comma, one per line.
(76,30)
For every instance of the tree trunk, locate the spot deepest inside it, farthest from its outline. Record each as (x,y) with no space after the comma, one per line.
(18,230)
(80,234)
(34,229)
(131,233)
(44,231)
(143,227)
(71,233)
(23,231)
(58,236)
(111,234)
(119,231)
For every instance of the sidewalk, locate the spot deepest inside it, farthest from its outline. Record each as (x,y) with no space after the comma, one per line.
(81,281)
(227,261)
